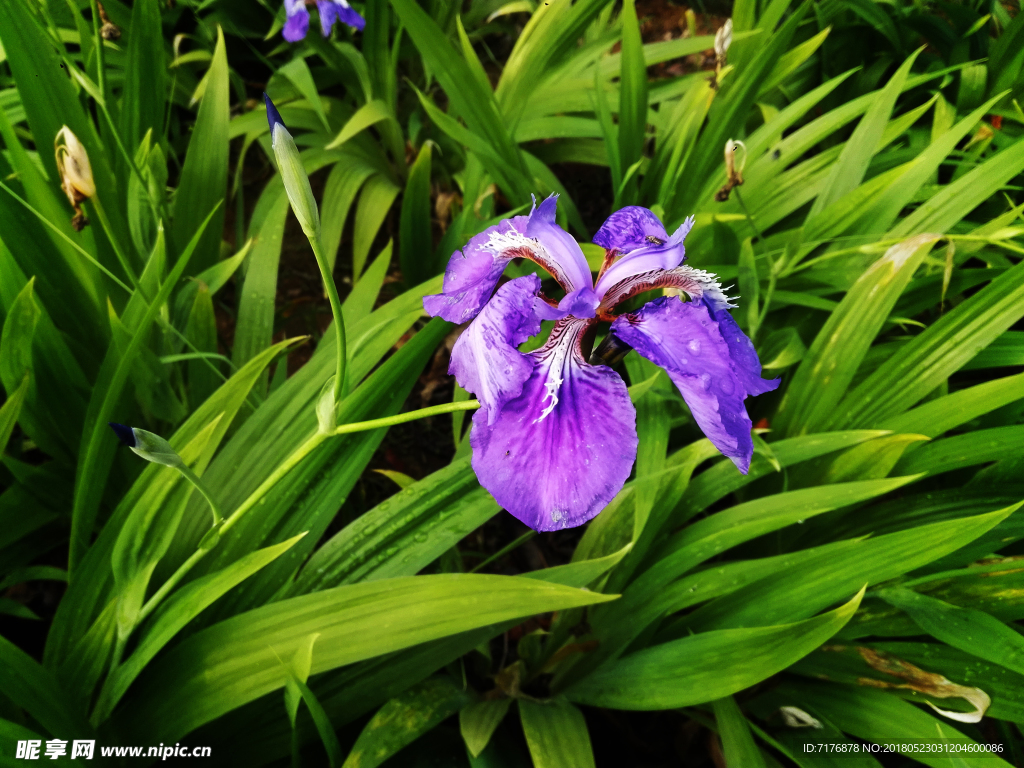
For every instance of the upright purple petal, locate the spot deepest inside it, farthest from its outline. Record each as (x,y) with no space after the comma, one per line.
(560,451)
(630,228)
(562,255)
(297,25)
(711,362)
(485,358)
(474,271)
(667,254)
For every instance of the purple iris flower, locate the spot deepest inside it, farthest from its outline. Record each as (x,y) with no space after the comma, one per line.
(555,437)
(297,25)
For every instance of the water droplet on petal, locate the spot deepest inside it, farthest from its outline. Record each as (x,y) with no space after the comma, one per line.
(705,379)
(694,346)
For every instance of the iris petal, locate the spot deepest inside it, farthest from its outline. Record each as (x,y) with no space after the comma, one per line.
(559,452)
(709,359)
(563,257)
(666,255)
(297,25)
(629,229)
(485,358)
(474,271)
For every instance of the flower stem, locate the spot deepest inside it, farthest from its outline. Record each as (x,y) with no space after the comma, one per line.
(340,382)
(122,257)
(402,418)
(277,475)
(199,486)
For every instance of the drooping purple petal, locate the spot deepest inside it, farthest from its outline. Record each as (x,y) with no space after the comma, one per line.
(337,10)
(562,256)
(297,25)
(561,450)
(485,359)
(711,362)
(667,254)
(328,15)
(348,15)
(630,228)
(474,271)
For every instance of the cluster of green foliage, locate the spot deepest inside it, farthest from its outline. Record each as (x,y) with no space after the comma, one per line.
(868,564)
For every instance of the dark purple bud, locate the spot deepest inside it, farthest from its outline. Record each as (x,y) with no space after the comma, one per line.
(273,116)
(125,434)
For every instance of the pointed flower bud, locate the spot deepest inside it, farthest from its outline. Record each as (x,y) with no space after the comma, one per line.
(289,165)
(75,173)
(733,168)
(147,445)
(723,39)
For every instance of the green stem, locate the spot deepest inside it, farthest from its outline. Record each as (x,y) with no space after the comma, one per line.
(122,257)
(101,75)
(750,218)
(88,256)
(199,486)
(278,474)
(402,418)
(340,383)
(505,550)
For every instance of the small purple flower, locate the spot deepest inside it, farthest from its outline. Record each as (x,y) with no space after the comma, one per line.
(555,437)
(297,25)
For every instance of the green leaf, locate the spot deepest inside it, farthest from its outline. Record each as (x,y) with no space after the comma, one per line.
(369,114)
(404,719)
(143,95)
(849,170)
(818,582)
(478,721)
(96,454)
(832,360)
(706,666)
(343,184)
(201,331)
(737,742)
(944,413)
(297,72)
(632,100)
(415,244)
(556,734)
(932,356)
(175,613)
(970,630)
(204,175)
(254,328)
(29,685)
(232,662)
(403,534)
(881,718)
(375,201)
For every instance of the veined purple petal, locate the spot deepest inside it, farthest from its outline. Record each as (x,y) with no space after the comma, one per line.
(561,450)
(668,254)
(474,271)
(630,228)
(297,25)
(696,283)
(711,362)
(561,256)
(485,358)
